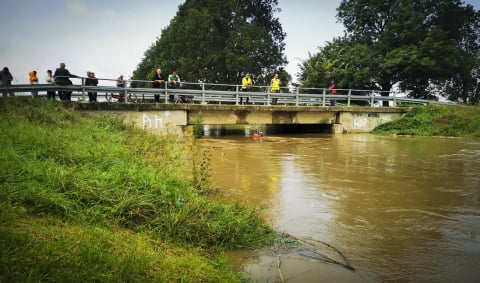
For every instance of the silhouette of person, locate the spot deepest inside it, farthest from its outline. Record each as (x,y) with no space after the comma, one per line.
(6,79)
(62,77)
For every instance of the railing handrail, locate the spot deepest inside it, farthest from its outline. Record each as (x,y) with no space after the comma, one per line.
(204,93)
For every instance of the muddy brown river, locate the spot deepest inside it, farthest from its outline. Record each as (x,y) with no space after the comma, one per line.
(399,209)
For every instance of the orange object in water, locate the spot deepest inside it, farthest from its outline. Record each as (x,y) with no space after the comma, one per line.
(256,136)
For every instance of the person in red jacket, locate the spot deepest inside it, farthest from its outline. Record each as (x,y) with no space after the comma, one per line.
(332,90)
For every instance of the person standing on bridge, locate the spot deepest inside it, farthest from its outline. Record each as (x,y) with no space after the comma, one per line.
(121,83)
(49,80)
(62,77)
(275,87)
(6,79)
(174,80)
(332,90)
(91,80)
(158,81)
(246,85)
(33,81)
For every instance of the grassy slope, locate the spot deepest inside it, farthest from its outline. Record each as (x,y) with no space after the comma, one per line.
(436,120)
(92,200)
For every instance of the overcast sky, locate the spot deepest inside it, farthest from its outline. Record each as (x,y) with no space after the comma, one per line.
(110,37)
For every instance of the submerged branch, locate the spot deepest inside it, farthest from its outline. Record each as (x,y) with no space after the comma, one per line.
(322,256)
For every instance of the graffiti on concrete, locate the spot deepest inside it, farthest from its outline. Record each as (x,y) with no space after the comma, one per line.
(359,123)
(153,123)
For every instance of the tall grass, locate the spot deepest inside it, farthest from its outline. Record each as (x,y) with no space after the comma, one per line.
(436,120)
(50,250)
(102,176)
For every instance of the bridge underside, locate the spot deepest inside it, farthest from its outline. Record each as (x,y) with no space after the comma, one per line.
(249,117)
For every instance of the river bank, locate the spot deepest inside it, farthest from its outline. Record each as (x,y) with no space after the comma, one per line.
(86,200)
(436,120)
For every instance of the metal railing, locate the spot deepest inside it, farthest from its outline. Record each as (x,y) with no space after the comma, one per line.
(209,93)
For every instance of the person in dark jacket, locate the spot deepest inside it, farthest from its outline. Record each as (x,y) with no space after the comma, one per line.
(158,81)
(62,77)
(6,79)
(91,80)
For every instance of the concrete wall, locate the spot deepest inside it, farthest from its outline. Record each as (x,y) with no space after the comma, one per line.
(173,119)
(362,122)
(157,122)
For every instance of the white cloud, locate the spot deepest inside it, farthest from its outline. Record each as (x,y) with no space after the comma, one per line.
(76,7)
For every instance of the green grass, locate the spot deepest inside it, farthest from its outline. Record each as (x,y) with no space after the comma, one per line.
(46,249)
(90,199)
(436,120)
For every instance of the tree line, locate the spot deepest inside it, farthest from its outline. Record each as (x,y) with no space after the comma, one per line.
(427,48)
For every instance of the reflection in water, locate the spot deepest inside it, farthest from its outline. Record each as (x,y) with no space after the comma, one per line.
(402,209)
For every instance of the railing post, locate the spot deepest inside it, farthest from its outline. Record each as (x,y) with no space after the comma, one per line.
(372,101)
(394,99)
(125,92)
(349,94)
(323,96)
(268,96)
(203,93)
(236,95)
(166,92)
(297,98)
(83,88)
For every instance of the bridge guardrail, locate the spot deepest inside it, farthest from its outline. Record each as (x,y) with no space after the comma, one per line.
(205,93)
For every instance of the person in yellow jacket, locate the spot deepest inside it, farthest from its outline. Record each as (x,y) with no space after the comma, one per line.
(246,84)
(275,87)
(33,81)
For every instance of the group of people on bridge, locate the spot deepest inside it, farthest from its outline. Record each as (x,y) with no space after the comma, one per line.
(62,76)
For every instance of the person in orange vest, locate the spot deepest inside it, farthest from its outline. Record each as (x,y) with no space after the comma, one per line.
(332,90)
(33,81)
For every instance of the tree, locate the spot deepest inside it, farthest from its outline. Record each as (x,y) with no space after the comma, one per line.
(217,41)
(349,63)
(424,46)
(464,85)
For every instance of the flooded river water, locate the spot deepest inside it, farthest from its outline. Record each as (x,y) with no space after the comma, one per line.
(400,209)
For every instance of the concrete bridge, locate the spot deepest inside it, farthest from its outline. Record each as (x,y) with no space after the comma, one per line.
(218,108)
(163,118)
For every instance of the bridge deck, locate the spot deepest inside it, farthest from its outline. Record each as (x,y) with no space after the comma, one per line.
(233,107)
